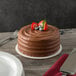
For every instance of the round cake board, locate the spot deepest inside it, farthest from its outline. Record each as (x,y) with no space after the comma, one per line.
(50,56)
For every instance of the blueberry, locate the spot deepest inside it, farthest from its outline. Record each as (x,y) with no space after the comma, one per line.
(36,28)
(40,29)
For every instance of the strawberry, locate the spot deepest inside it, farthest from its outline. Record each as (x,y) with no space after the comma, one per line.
(34,25)
(43,24)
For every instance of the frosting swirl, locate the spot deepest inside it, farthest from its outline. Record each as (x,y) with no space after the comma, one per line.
(38,42)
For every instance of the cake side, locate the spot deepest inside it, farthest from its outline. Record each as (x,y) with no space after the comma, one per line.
(38,43)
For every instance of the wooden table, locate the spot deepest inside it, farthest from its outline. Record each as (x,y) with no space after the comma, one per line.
(38,67)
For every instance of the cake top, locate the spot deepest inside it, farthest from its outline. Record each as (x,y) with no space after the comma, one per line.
(39,31)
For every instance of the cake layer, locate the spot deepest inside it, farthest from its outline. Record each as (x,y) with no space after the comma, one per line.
(40,54)
(38,43)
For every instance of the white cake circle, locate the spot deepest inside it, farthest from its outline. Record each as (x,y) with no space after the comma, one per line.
(50,56)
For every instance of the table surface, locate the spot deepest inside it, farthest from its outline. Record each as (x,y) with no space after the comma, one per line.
(39,67)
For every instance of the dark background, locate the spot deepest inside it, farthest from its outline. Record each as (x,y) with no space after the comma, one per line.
(16,13)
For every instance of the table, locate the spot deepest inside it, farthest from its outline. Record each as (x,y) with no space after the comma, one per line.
(39,67)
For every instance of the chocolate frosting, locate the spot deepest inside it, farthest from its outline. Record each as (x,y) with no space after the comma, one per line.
(38,43)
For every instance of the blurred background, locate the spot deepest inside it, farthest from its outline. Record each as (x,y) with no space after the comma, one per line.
(17,13)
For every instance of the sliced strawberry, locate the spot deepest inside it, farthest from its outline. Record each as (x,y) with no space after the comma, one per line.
(34,24)
(40,23)
(43,24)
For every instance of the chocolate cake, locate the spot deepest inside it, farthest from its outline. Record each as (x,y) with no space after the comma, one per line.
(38,43)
